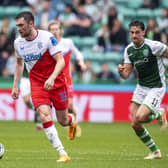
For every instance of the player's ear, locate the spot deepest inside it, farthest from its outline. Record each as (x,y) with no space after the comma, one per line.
(62,32)
(31,23)
(144,33)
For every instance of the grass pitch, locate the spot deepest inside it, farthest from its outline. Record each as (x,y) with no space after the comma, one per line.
(100,146)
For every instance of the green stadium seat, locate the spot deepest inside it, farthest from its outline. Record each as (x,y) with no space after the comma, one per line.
(128,13)
(135,4)
(157,12)
(113,67)
(96,66)
(2,11)
(164,3)
(115,57)
(25,9)
(76,40)
(12,10)
(143,12)
(88,41)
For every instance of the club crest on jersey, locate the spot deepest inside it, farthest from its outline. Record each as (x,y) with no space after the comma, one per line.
(53,41)
(21,47)
(39,45)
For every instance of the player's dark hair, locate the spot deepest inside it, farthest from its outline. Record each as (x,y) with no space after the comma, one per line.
(137,23)
(28,16)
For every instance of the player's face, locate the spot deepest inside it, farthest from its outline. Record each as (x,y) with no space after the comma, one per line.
(23,27)
(137,35)
(56,30)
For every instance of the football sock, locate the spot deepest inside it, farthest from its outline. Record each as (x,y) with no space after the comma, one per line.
(30,105)
(154,116)
(37,118)
(71,119)
(147,139)
(52,136)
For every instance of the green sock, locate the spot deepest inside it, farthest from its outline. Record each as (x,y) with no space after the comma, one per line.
(30,105)
(147,139)
(154,116)
(38,118)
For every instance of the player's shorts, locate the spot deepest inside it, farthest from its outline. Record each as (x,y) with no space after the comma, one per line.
(56,97)
(24,87)
(70,91)
(150,97)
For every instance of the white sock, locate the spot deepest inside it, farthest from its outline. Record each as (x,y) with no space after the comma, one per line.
(53,137)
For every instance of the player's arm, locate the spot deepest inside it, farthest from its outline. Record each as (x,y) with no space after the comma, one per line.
(78,56)
(166,53)
(17,75)
(58,68)
(125,70)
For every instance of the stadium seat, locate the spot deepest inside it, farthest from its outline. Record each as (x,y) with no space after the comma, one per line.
(88,41)
(135,4)
(115,57)
(143,12)
(2,11)
(164,3)
(96,66)
(12,10)
(127,13)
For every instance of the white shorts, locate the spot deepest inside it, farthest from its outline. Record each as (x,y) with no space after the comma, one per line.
(150,97)
(25,87)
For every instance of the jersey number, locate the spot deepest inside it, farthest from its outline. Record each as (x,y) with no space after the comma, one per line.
(63,96)
(155,102)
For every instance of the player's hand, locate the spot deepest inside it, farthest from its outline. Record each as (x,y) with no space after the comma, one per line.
(49,83)
(82,65)
(15,93)
(120,68)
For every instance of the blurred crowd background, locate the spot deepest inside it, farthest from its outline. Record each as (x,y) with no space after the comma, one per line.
(99,28)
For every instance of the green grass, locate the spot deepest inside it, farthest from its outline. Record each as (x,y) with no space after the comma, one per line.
(100,146)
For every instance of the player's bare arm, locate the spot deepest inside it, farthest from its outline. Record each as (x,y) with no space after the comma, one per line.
(17,75)
(166,53)
(125,70)
(82,64)
(58,68)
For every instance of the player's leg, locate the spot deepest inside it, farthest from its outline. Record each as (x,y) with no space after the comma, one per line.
(25,93)
(140,114)
(72,110)
(66,119)
(37,120)
(51,132)
(141,117)
(60,102)
(153,101)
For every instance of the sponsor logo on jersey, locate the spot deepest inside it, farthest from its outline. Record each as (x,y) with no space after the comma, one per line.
(32,57)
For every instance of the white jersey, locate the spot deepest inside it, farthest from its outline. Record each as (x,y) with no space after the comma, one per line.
(32,51)
(67,47)
(37,54)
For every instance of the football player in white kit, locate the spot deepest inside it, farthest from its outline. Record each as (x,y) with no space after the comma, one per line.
(146,56)
(40,51)
(68,48)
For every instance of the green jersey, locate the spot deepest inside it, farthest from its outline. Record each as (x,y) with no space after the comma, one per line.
(148,62)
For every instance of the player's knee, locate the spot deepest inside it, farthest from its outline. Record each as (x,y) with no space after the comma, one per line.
(44,116)
(139,118)
(64,122)
(135,125)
